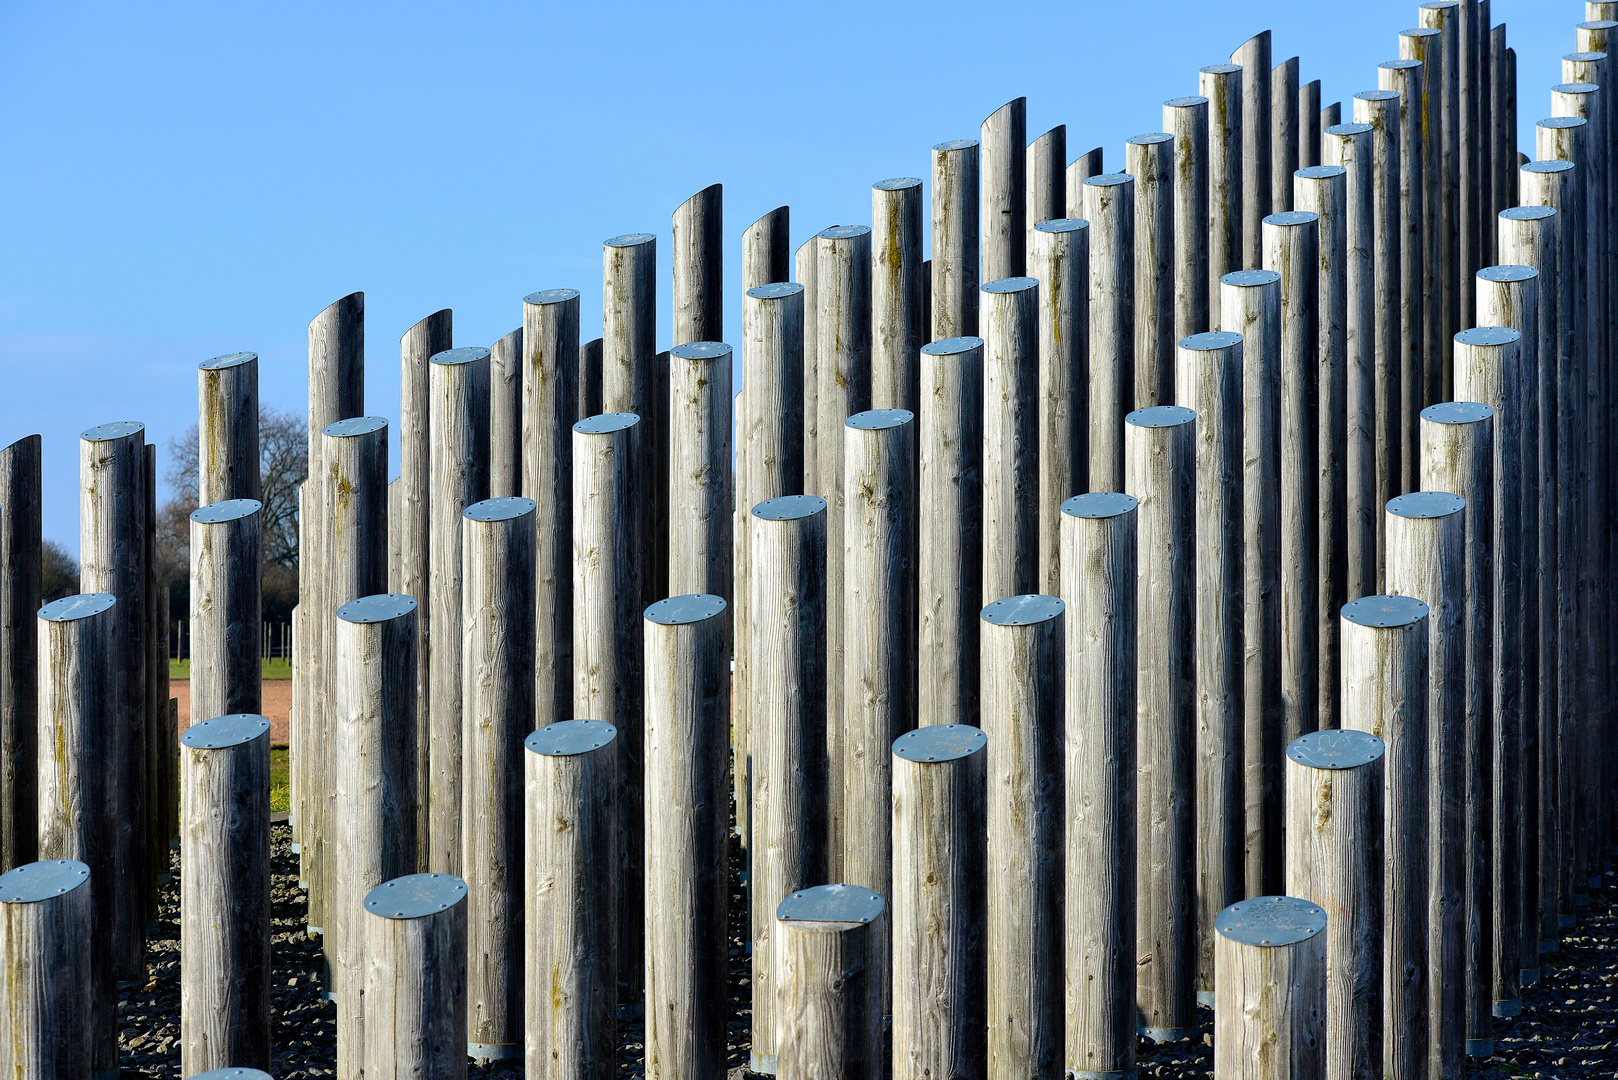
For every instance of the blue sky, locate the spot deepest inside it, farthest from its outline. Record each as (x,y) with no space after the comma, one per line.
(183,180)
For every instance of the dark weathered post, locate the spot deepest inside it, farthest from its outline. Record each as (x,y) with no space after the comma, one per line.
(1010,319)
(1109,207)
(1442,50)
(227,428)
(1221,85)
(1186,119)
(1150,160)
(1047,181)
(767,250)
(699,267)
(898,321)
(1423,45)
(1079,170)
(1270,1021)
(1308,127)
(955,242)
(1254,57)
(1059,259)
(1283,133)
(1005,180)
(833,969)
(225,608)
(415,978)
(20,547)
(45,996)
(700,466)
(1404,77)
(505,416)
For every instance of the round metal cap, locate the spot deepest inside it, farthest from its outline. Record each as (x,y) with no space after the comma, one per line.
(831,904)
(1344,748)
(629,239)
(36,881)
(1271,920)
(1287,219)
(226,510)
(1159,416)
(700,350)
(1488,335)
(1378,95)
(1575,88)
(224,732)
(897,183)
(379,607)
(1062,225)
(940,742)
(1222,69)
(466,354)
(229,360)
(232,1074)
(1011,285)
(790,507)
(1100,504)
(1023,610)
(1385,611)
(1457,412)
(1109,179)
(951,345)
(1151,138)
(606,423)
(844,232)
(1186,102)
(78,606)
(415,896)
(118,429)
(1584,57)
(1348,129)
(1399,65)
(568,737)
(1508,273)
(1528,213)
(685,610)
(1210,341)
(774,290)
(1555,165)
(1321,172)
(1248,279)
(504,508)
(879,419)
(551,296)
(956,144)
(1426,504)
(1557,122)
(356,425)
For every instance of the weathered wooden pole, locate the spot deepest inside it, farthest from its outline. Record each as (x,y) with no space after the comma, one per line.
(1350,146)
(550,402)
(1160,472)
(767,249)
(630,384)
(1423,45)
(1426,559)
(898,321)
(1322,190)
(687,861)
(1469,158)
(1059,259)
(700,468)
(112,560)
(940,862)
(1283,133)
(1005,180)
(225,608)
(1457,456)
(225,893)
(588,379)
(879,694)
(573,773)
(374,750)
(79,785)
(833,969)
(1385,692)
(1186,119)
(954,243)
(949,554)
(1441,49)
(1221,84)
(609,561)
(1404,77)
(1251,307)
(805,267)
(1253,55)
(1150,160)
(1308,126)
(1047,182)
(1335,791)
(505,416)
(1109,207)
(1271,1022)
(1099,582)
(787,606)
(1209,382)
(156,860)
(1079,170)
(45,997)
(699,267)
(227,428)
(1330,116)
(1488,371)
(1010,320)
(20,551)
(415,978)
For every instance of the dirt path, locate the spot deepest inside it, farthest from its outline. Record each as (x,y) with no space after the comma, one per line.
(277,704)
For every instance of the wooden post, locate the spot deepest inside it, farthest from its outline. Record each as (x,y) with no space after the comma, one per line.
(1109,207)
(1404,77)
(1292,249)
(225,893)
(1209,382)
(374,743)
(460,477)
(573,771)
(955,242)
(1099,581)
(45,997)
(79,786)
(1283,133)
(687,862)
(833,968)
(1186,120)
(1335,791)
(879,694)
(225,608)
(1423,46)
(609,559)
(1457,456)
(1322,190)
(227,428)
(1308,128)
(1150,160)
(112,560)
(550,402)
(1005,181)
(949,556)
(1059,259)
(415,978)
(589,378)
(811,377)
(1426,559)
(1330,116)
(1251,307)
(1221,84)
(1023,653)
(1270,1022)
(155,860)
(1442,50)
(940,1014)
(1079,170)
(1254,57)
(1160,472)
(699,267)
(20,546)
(700,468)
(1385,692)
(505,416)
(1047,181)
(898,322)
(1468,151)
(788,633)
(629,384)
(1010,319)
(767,250)
(1350,146)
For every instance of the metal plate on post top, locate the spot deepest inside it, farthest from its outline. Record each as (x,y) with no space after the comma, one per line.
(232,1074)
(1161,416)
(1457,412)
(224,732)
(1343,748)
(1426,504)
(415,896)
(568,737)
(36,881)
(1273,921)
(466,354)
(378,607)
(831,904)
(355,426)
(952,346)
(229,360)
(774,290)
(1099,504)
(77,606)
(606,423)
(879,419)
(504,508)
(701,350)
(1385,611)
(1023,610)
(685,610)
(226,510)
(940,742)
(118,429)
(790,507)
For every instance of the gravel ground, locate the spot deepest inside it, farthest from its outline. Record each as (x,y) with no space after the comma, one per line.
(1568,1029)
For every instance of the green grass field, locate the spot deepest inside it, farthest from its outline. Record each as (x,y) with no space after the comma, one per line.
(273,669)
(280,801)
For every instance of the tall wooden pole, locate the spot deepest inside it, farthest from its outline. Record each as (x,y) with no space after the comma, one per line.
(954,241)
(767,249)
(225,607)
(1270,1022)
(1150,160)
(1005,182)
(833,968)
(505,416)
(630,384)
(1308,126)
(805,268)
(415,978)
(1186,119)
(1221,84)
(1254,57)
(1423,45)
(227,428)
(699,267)
(1079,170)
(1404,77)
(1109,207)
(1047,181)
(21,545)
(898,321)
(1010,319)
(700,468)
(1283,133)
(45,998)
(1059,259)
(1443,51)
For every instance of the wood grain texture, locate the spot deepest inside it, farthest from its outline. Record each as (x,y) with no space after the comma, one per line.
(898,319)
(153,859)
(1079,170)
(20,551)
(1099,583)
(1186,119)
(956,179)
(1221,84)
(1254,57)
(767,250)
(227,428)
(1270,1022)
(831,978)
(631,383)
(1308,125)
(415,985)
(1109,207)
(1005,200)
(1010,319)
(45,994)
(1150,160)
(1283,133)
(225,609)
(1439,49)
(699,267)
(1404,78)
(804,264)
(700,469)
(1426,115)
(1047,183)
(505,415)
(1059,259)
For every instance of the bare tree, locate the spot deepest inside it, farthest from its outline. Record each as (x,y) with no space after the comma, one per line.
(58,572)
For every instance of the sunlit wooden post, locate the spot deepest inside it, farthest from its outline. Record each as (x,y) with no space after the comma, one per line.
(1079,170)
(1221,84)
(698,258)
(1005,179)
(1150,160)
(898,321)
(1423,45)
(1308,126)
(767,250)
(1253,55)
(1109,207)
(1047,180)
(1404,77)
(1283,133)
(1010,321)
(505,415)
(415,978)
(954,243)
(1186,119)
(21,545)
(1059,259)
(45,996)
(833,969)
